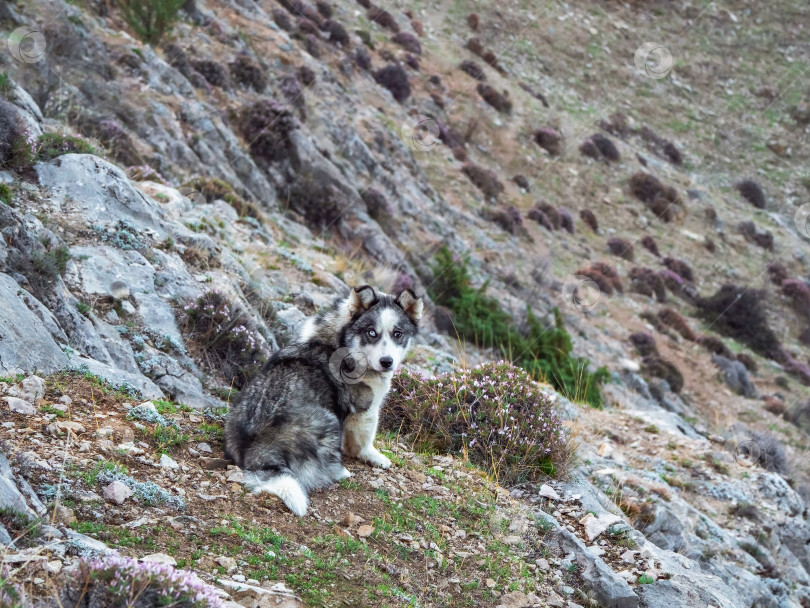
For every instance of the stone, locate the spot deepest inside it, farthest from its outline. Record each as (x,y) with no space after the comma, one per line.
(546,491)
(277,596)
(159,558)
(365,531)
(26,344)
(606,587)
(20,406)
(594,526)
(204,448)
(214,464)
(117,492)
(515,599)
(52,567)
(63,515)
(167,462)
(229,563)
(33,388)
(86,546)
(11,498)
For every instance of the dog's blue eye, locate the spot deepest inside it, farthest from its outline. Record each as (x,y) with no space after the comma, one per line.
(372,333)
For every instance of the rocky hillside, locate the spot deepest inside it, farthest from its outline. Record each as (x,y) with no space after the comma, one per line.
(572,186)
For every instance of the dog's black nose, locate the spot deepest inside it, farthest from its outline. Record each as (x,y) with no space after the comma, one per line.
(386,362)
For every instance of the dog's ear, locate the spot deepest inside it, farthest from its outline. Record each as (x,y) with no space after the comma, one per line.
(361,298)
(411,304)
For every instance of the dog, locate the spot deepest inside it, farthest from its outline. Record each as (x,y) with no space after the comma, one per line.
(320,397)
(394,323)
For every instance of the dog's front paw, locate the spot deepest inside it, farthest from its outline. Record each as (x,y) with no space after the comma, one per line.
(372,456)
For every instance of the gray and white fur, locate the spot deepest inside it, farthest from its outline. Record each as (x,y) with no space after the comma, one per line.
(320,396)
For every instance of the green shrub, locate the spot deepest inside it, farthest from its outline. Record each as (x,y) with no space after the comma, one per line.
(52,145)
(213,189)
(494,414)
(151,20)
(6,193)
(545,352)
(225,337)
(53,263)
(5,85)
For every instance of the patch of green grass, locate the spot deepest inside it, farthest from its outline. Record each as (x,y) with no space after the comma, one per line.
(52,263)
(645,579)
(84,308)
(167,437)
(6,193)
(5,84)
(544,351)
(53,145)
(48,409)
(212,430)
(89,527)
(91,477)
(15,379)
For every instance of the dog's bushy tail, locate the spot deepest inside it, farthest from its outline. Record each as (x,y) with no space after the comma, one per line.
(285,486)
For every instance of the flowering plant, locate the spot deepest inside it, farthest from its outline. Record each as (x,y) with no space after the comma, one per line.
(495,415)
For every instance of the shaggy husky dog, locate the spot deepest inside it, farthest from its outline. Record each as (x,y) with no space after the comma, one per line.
(321,397)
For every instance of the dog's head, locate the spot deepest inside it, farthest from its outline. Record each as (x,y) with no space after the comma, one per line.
(382,326)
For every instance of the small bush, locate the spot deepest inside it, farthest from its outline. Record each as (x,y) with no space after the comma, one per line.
(497,100)
(679,267)
(124,581)
(621,248)
(739,313)
(777,273)
(549,139)
(644,343)
(11,131)
(289,86)
(393,77)
(677,322)
(484,179)
(382,18)
(247,73)
(607,149)
(799,294)
(589,149)
(566,219)
(672,153)
(282,19)
(587,216)
(715,346)
(225,337)
(150,20)
(337,33)
(473,69)
(647,282)
(53,145)
(650,245)
(521,182)
(407,41)
(324,8)
(541,218)
(51,264)
(362,58)
(657,367)
(495,415)
(605,276)
(508,218)
(771,453)
(548,211)
(216,189)
(748,361)
(6,194)
(752,192)
(214,72)
(662,200)
(266,125)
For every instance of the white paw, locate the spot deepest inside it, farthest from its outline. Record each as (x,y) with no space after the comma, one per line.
(297,503)
(344,474)
(373,457)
